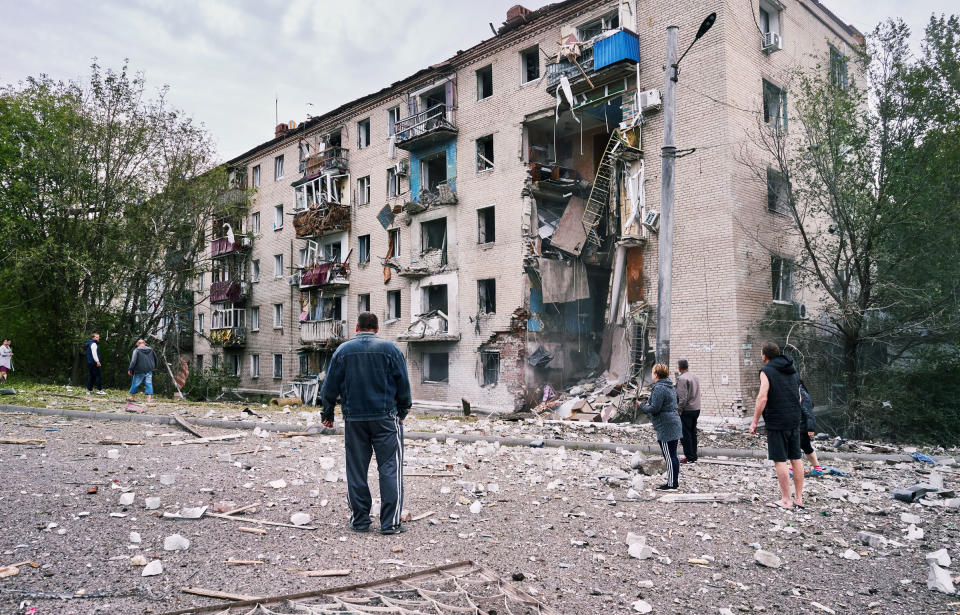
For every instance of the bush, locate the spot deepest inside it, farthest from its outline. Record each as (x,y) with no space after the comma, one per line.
(208,384)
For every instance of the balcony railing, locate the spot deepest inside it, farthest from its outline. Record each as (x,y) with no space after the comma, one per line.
(330,159)
(604,59)
(233,291)
(322,220)
(425,128)
(322,331)
(228,337)
(223,246)
(430,327)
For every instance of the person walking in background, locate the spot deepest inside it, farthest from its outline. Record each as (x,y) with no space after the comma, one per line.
(662,408)
(94,373)
(369,376)
(6,360)
(779,403)
(142,364)
(808,428)
(688,404)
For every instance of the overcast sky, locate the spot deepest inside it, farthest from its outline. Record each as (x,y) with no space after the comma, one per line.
(226,60)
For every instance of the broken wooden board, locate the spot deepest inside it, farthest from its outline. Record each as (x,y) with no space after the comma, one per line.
(699,498)
(570,235)
(187,426)
(252,530)
(205,440)
(121,442)
(324,573)
(210,593)
(260,522)
(22,441)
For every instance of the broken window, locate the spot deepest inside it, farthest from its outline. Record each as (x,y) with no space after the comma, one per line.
(433,171)
(490,364)
(530,64)
(331,252)
(435,298)
(278,167)
(777,195)
(393,116)
(393,240)
(363,249)
(304,363)
(393,183)
(393,304)
(277,217)
(485,153)
(598,26)
(782,277)
(436,366)
(256,176)
(774,106)
(363,303)
(331,307)
(486,225)
(838,68)
(363,133)
(433,236)
(278,366)
(485,82)
(487,294)
(769,17)
(363,190)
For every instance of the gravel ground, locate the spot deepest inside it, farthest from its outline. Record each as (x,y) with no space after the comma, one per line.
(560,518)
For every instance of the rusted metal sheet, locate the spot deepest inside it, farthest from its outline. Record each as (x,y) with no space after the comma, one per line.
(634,274)
(570,235)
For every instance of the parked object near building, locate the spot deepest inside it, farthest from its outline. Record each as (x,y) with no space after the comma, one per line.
(492,209)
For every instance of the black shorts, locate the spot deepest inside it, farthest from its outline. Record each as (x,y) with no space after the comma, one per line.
(783,444)
(805,443)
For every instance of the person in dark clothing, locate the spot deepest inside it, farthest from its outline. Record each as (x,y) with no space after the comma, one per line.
(94,373)
(369,376)
(662,408)
(808,427)
(779,403)
(688,404)
(142,364)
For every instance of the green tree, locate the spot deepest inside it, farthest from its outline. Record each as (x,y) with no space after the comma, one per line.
(869,174)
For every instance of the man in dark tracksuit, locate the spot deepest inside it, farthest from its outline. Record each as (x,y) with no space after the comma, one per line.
(779,403)
(369,376)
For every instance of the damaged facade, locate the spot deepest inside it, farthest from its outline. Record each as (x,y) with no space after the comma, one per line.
(499,210)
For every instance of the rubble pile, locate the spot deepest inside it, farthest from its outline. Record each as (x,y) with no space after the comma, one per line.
(593,401)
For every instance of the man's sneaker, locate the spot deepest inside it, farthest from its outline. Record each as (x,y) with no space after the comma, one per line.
(360,528)
(397,529)
(101,392)
(686,460)
(817,472)
(666,487)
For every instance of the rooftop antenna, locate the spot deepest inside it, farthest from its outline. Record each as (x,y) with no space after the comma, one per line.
(276,108)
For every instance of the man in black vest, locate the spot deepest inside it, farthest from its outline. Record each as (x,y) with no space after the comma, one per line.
(779,403)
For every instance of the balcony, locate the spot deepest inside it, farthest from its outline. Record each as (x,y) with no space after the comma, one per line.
(223,246)
(322,220)
(426,263)
(229,337)
(232,291)
(234,196)
(327,331)
(425,128)
(330,159)
(430,327)
(325,274)
(603,60)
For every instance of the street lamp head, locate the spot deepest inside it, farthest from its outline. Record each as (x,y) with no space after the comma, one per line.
(706,25)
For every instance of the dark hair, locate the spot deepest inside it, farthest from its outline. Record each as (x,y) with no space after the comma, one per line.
(682,364)
(367,321)
(770,350)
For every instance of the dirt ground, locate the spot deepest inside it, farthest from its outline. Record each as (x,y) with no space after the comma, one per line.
(556,520)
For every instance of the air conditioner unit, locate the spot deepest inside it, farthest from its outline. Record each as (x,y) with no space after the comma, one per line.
(649,100)
(802,313)
(771,42)
(652,221)
(293,280)
(402,167)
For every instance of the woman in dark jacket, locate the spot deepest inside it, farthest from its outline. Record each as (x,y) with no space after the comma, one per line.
(662,408)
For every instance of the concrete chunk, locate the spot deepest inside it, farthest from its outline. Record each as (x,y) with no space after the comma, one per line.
(766,558)
(939,557)
(939,580)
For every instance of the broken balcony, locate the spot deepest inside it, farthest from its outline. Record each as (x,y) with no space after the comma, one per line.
(229,337)
(330,159)
(426,263)
(430,327)
(233,291)
(322,220)
(223,246)
(599,61)
(425,128)
(324,274)
(325,331)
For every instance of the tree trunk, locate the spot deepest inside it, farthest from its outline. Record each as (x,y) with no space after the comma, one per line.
(851,378)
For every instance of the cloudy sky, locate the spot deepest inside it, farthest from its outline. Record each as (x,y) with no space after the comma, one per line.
(225,61)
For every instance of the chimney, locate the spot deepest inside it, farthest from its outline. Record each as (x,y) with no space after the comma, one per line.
(280,130)
(517,12)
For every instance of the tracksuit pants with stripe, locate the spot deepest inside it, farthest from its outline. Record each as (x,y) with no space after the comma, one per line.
(669,450)
(362,439)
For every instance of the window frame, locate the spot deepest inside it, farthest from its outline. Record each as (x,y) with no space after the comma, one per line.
(779,120)
(278,167)
(483,162)
(782,279)
(277,369)
(839,76)
(363,298)
(393,116)
(255,270)
(486,369)
(363,190)
(278,217)
(777,192)
(200,317)
(255,223)
(278,315)
(256,176)
(255,318)
(394,305)
(480,83)
(254,366)
(426,372)
(363,133)
(484,214)
(393,183)
(277,266)
(525,77)
(363,249)
(395,234)
(484,295)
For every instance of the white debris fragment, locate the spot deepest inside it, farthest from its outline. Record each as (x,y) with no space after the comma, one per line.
(766,558)
(476,507)
(126,499)
(640,551)
(642,606)
(914,533)
(113,453)
(175,542)
(168,479)
(910,518)
(277,484)
(151,503)
(939,580)
(135,539)
(331,477)
(851,555)
(153,568)
(939,557)
(300,518)
(138,560)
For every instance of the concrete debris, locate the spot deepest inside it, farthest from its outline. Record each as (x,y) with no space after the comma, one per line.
(113,453)
(872,540)
(138,560)
(152,569)
(850,554)
(168,479)
(186,513)
(126,499)
(176,542)
(910,518)
(912,494)
(939,557)
(476,507)
(135,539)
(151,503)
(940,580)
(642,606)
(640,551)
(765,558)
(914,533)
(300,518)
(277,484)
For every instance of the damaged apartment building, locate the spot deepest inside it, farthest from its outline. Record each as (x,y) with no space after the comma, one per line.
(499,211)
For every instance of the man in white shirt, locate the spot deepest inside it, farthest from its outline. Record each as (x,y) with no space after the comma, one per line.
(94,374)
(6,360)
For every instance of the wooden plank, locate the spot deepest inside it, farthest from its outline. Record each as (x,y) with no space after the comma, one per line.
(243,562)
(187,426)
(699,498)
(22,441)
(121,442)
(206,440)
(253,530)
(324,573)
(261,522)
(210,593)
(570,235)
(634,274)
